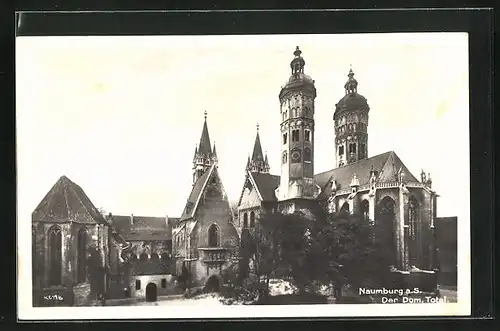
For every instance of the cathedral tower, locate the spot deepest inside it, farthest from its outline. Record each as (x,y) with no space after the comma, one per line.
(351,125)
(297,134)
(204,156)
(258,163)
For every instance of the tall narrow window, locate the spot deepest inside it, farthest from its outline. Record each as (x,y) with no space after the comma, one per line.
(295,135)
(362,151)
(245,220)
(307,135)
(341,150)
(412,231)
(163,283)
(307,154)
(252,219)
(82,256)
(55,256)
(284,158)
(213,236)
(137,284)
(365,209)
(284,138)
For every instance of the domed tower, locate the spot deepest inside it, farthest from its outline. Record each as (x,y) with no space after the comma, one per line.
(351,124)
(297,134)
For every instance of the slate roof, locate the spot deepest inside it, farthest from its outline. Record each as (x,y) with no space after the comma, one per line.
(383,163)
(143,228)
(266,185)
(195,194)
(387,164)
(66,202)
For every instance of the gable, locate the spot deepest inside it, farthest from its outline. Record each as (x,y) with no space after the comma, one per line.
(250,197)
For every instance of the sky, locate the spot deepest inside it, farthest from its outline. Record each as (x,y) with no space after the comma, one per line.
(121,116)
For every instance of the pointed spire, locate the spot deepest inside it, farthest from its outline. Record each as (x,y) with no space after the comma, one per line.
(257,163)
(257,148)
(204,146)
(214,152)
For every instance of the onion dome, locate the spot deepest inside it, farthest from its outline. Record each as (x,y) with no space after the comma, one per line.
(352,100)
(298,78)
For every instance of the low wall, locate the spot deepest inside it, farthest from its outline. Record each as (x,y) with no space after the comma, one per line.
(155,279)
(53,297)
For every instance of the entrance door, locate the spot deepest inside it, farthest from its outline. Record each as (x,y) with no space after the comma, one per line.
(213,284)
(151,292)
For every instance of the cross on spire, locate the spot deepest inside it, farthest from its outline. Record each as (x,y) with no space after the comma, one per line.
(205,113)
(257,127)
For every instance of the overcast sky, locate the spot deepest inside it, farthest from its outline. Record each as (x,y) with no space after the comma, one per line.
(121,116)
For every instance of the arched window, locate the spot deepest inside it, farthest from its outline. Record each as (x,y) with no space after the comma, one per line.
(412,230)
(284,138)
(133,257)
(252,219)
(344,208)
(307,154)
(285,157)
(82,256)
(55,256)
(365,209)
(245,220)
(213,236)
(341,150)
(385,222)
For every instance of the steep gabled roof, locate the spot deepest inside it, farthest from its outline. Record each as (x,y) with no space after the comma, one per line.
(387,164)
(196,192)
(266,185)
(143,227)
(67,202)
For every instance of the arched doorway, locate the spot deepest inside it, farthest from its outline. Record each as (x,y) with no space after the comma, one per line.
(213,284)
(151,292)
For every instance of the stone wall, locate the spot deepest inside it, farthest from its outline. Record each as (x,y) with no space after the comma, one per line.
(81,294)
(154,279)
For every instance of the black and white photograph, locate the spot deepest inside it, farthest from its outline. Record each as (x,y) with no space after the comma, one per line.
(328,173)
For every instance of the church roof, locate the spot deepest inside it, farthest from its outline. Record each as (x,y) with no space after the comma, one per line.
(67,202)
(266,185)
(196,192)
(143,227)
(387,164)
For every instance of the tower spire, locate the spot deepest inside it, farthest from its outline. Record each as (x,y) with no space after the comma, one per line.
(204,156)
(257,161)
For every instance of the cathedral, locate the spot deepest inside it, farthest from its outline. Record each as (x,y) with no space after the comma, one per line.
(378,187)
(143,256)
